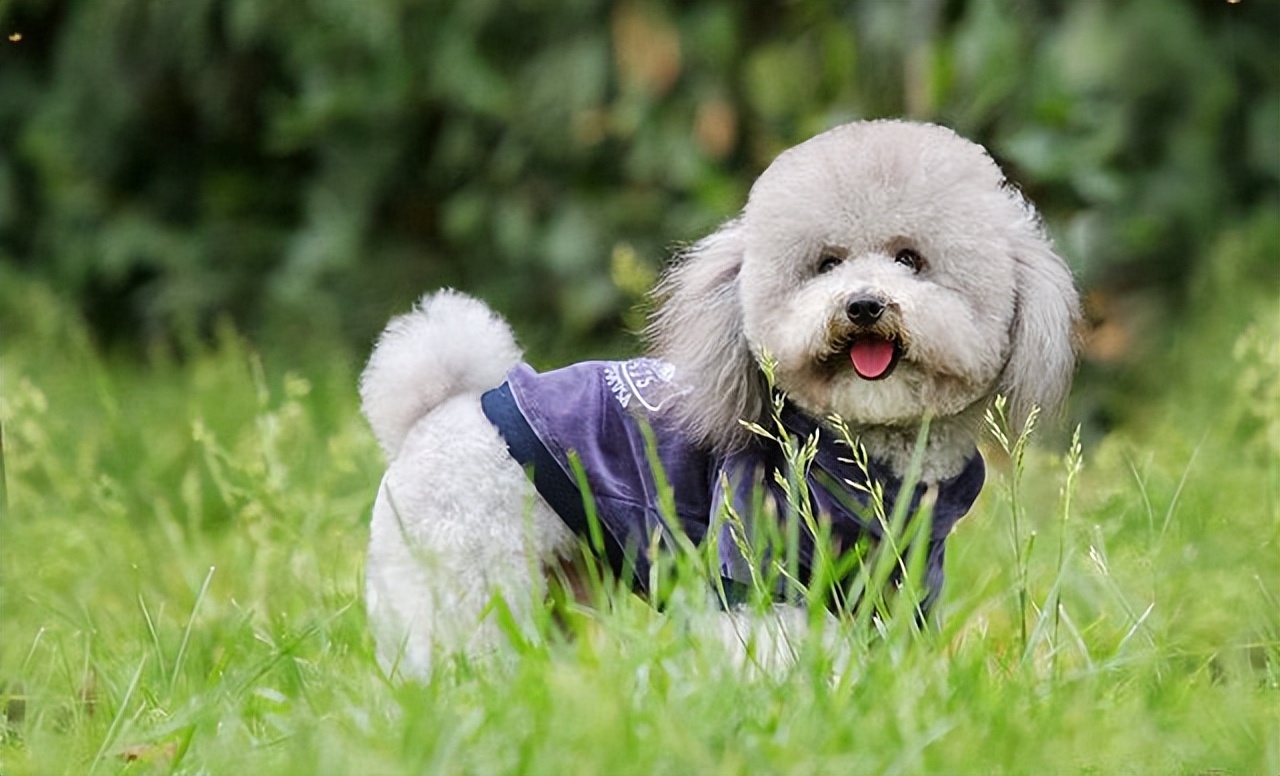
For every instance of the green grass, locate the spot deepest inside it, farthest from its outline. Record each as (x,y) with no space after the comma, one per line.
(180,591)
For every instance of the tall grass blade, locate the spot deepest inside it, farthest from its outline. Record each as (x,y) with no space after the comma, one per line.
(181,658)
(118,719)
(152,634)
(1177,492)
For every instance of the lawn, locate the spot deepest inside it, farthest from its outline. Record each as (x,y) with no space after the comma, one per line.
(180,592)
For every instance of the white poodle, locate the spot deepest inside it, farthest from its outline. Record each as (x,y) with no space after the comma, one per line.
(886,269)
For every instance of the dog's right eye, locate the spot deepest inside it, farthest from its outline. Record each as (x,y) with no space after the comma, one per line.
(828,263)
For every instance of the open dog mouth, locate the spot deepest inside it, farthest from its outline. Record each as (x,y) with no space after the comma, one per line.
(873,356)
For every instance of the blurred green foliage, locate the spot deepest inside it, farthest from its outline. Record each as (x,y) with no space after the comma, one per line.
(308,167)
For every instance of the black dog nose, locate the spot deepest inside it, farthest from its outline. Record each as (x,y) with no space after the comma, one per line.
(864,310)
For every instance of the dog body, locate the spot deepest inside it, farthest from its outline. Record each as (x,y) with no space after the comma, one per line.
(885,270)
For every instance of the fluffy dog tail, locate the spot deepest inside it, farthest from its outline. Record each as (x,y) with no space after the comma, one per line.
(449,344)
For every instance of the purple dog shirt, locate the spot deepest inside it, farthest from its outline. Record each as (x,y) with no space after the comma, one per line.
(609,416)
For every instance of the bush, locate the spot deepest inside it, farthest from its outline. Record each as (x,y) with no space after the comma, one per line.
(308,167)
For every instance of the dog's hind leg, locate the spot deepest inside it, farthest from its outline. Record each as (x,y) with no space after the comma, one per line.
(455,525)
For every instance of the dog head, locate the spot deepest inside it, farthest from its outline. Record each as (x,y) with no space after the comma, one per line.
(890,272)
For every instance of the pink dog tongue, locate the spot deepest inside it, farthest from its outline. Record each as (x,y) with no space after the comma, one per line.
(871,356)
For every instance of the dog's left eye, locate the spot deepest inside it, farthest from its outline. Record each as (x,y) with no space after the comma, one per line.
(909,258)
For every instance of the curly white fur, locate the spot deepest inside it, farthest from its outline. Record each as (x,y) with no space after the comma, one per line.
(442,543)
(973,299)
(992,310)
(450,344)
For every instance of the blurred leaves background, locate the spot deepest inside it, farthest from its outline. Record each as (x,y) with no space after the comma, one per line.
(306,168)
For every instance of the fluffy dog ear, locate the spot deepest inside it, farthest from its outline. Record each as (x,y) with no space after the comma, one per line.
(696,325)
(1045,331)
